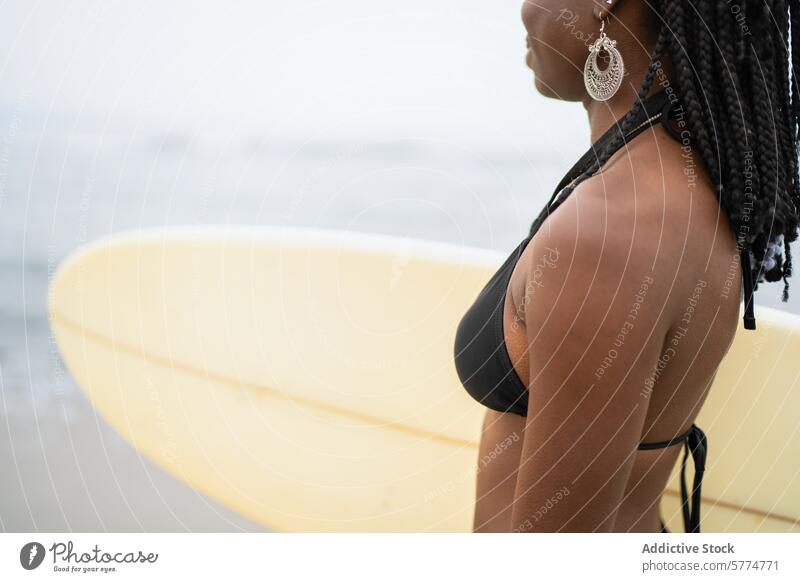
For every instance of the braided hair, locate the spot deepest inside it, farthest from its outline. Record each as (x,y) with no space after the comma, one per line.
(736,64)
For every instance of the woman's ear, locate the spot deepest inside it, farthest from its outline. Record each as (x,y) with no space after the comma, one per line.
(602,8)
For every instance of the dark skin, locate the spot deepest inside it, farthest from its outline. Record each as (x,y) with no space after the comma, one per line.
(639,220)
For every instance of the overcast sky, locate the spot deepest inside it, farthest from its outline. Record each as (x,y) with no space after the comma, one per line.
(288,66)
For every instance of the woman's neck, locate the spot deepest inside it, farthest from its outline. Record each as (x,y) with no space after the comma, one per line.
(603,114)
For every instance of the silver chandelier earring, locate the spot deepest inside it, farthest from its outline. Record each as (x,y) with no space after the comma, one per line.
(602,84)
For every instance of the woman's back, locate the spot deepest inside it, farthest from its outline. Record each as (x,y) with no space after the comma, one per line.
(681,248)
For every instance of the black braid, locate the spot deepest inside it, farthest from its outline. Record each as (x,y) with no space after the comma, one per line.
(694,104)
(781,43)
(744,110)
(737,71)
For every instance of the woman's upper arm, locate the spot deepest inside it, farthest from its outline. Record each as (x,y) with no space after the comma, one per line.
(593,317)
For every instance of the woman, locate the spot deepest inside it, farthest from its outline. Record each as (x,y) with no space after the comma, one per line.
(595,344)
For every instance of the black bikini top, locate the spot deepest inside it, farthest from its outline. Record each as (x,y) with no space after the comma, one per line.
(482,360)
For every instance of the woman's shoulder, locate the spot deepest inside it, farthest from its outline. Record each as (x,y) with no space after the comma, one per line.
(608,214)
(636,220)
(656,200)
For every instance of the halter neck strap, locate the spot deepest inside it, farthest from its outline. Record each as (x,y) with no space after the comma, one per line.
(654,109)
(658,108)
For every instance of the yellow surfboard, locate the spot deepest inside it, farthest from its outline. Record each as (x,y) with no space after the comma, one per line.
(305,378)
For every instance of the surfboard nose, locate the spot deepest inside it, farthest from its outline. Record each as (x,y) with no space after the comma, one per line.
(302,377)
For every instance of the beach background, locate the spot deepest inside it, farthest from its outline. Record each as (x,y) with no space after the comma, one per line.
(414,119)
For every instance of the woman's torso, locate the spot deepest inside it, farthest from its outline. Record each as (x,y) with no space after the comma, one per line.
(691,242)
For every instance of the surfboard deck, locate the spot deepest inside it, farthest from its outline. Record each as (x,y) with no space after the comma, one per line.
(305,378)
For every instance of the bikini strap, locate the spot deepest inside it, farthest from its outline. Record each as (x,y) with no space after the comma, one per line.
(695,442)
(747,282)
(665,444)
(654,109)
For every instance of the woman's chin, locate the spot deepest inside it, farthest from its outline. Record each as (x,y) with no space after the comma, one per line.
(545,89)
(559,92)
